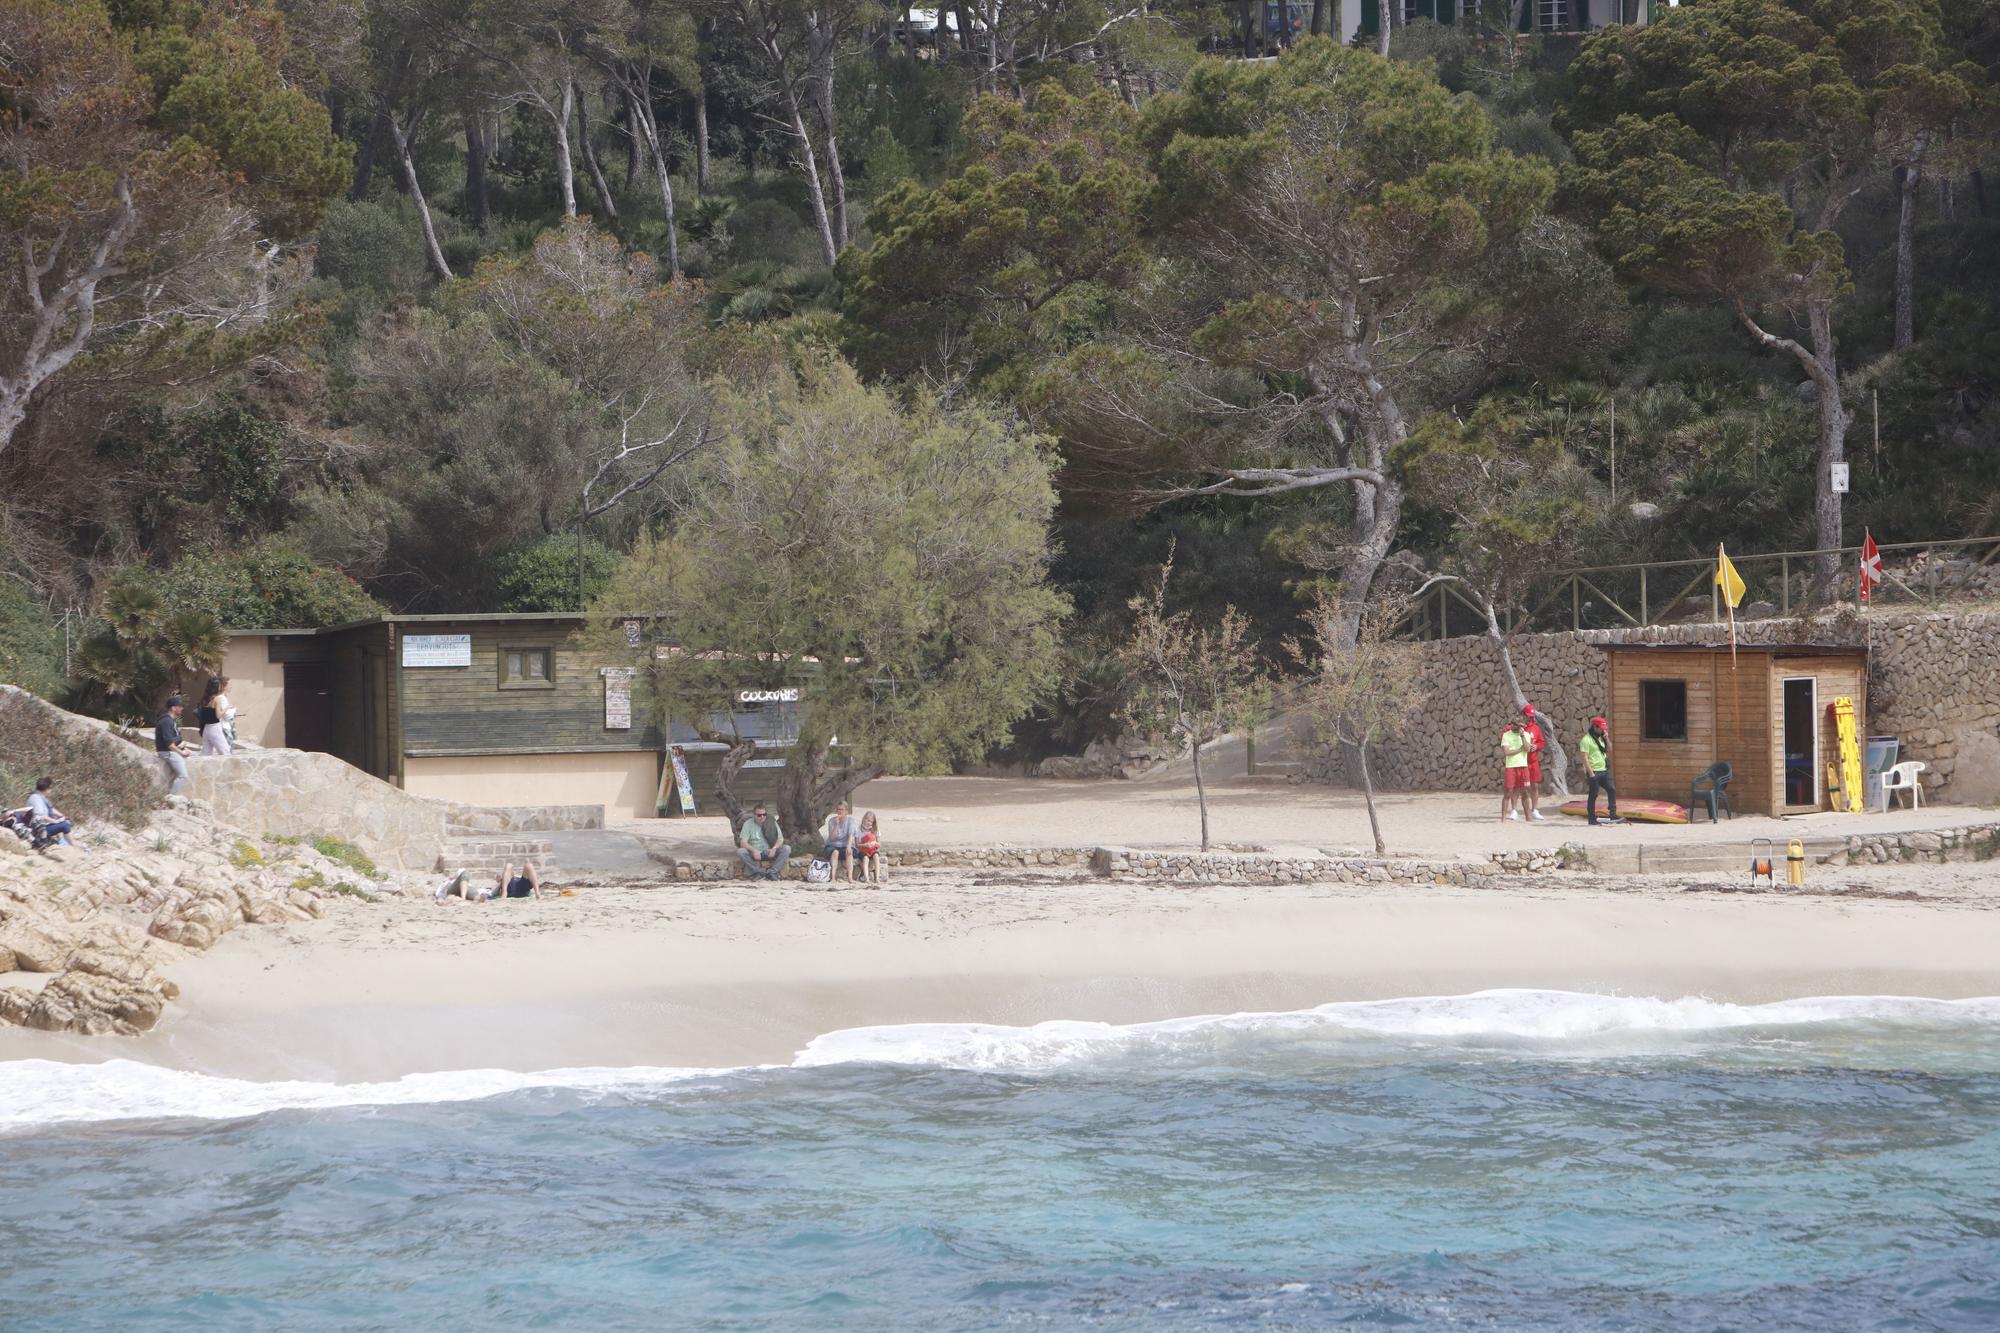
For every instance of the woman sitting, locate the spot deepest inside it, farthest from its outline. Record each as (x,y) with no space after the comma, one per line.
(868,850)
(842,833)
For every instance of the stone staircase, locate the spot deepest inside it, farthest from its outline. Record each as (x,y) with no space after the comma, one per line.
(488,854)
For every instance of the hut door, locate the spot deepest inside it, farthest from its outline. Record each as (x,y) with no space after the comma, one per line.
(1801,771)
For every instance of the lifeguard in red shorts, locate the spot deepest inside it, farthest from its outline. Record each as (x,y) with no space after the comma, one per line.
(1536,741)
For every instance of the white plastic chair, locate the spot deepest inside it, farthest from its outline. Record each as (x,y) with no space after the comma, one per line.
(1903,777)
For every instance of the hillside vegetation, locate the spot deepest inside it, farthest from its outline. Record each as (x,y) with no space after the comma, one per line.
(316,308)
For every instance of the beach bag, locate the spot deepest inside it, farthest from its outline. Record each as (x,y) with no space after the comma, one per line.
(819,872)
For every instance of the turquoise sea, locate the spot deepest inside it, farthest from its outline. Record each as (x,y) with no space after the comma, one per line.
(1496,1161)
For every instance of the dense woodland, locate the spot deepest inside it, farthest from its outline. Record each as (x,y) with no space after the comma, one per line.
(318,306)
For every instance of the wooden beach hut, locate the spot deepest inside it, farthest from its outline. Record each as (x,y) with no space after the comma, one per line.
(1676,709)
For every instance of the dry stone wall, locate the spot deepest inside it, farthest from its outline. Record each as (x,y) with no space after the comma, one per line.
(1934,682)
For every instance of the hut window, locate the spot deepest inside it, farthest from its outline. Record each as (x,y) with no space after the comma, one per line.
(1663,710)
(526,669)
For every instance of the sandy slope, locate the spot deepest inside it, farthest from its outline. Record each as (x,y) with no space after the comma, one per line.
(733,975)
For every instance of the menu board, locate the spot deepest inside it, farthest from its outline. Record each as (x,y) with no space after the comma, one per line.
(618,698)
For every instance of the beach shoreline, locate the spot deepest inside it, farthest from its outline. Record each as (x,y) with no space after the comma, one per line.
(727,976)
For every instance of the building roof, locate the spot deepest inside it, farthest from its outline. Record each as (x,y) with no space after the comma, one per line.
(470,616)
(1787,649)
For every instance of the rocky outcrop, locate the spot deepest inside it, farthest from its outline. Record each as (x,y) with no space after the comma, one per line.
(86,932)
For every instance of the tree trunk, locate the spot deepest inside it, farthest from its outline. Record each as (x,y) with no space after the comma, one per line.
(478,206)
(808,789)
(1201,796)
(364,159)
(590,157)
(742,750)
(634,149)
(1833,422)
(1368,797)
(565,167)
(808,161)
(1906,249)
(1318,24)
(1978,191)
(1382,27)
(649,126)
(1244,21)
(823,90)
(701,142)
(432,249)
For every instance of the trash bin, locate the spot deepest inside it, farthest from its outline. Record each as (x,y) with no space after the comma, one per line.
(1878,759)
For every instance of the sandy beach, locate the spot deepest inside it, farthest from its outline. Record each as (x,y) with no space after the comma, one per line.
(730,975)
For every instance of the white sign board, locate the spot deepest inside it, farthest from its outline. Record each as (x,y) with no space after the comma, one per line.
(1839,478)
(789,696)
(437,650)
(618,698)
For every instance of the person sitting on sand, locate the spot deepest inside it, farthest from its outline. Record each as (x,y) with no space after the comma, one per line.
(1596,747)
(843,831)
(1514,769)
(761,844)
(48,823)
(868,850)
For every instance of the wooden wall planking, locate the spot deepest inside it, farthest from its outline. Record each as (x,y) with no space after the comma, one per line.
(463,710)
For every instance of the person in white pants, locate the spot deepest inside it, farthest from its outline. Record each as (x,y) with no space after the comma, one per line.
(215,715)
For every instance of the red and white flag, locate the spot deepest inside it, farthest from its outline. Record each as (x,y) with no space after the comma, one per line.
(1871,564)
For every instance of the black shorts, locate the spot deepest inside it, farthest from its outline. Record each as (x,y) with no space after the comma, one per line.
(520,887)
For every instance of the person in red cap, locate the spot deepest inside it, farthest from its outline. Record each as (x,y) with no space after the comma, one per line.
(1596,747)
(1532,797)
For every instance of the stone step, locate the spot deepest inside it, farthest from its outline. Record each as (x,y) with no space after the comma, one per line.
(488,855)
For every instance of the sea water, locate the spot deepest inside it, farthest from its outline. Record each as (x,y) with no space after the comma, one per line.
(1502,1160)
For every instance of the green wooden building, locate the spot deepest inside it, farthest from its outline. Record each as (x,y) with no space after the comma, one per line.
(489,709)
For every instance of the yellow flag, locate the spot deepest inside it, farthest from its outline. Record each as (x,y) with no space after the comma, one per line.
(1727,579)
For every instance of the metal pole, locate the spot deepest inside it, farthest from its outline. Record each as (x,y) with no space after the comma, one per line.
(1614,447)
(1645,615)
(1785,581)
(1875,409)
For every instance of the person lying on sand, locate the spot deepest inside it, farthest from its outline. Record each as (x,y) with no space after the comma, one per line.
(507,884)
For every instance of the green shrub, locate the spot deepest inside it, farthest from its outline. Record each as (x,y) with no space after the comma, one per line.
(245,857)
(31,646)
(541,575)
(267,585)
(373,245)
(347,890)
(347,854)
(97,776)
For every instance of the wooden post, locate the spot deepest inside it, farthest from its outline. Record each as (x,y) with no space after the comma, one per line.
(1785,582)
(1875,410)
(1645,614)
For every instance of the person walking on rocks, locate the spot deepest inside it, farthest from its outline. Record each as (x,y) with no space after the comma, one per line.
(1596,747)
(213,716)
(1514,769)
(169,746)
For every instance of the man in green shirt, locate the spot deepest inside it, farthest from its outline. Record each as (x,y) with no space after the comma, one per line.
(761,845)
(1596,747)
(1514,745)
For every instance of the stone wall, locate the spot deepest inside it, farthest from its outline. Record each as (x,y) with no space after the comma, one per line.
(302,794)
(462,820)
(1978,843)
(1175,867)
(1933,683)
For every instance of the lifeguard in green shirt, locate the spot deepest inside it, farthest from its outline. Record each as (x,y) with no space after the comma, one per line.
(1514,749)
(1596,747)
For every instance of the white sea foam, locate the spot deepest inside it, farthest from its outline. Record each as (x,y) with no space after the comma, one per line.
(40,1092)
(1547,1019)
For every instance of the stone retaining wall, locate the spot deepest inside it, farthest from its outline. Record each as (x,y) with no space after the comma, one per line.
(1978,843)
(1173,867)
(462,820)
(1932,683)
